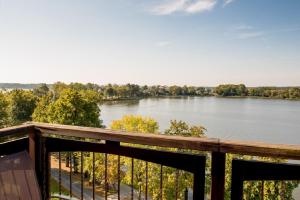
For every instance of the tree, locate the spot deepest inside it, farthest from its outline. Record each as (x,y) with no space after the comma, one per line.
(175,90)
(133,123)
(3,110)
(71,108)
(183,179)
(57,88)
(231,90)
(21,106)
(41,112)
(140,124)
(183,129)
(41,90)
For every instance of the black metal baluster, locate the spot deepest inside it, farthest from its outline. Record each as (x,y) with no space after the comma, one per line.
(176,183)
(283,188)
(161,182)
(70,160)
(82,178)
(93,176)
(262,190)
(146,189)
(105,176)
(119,178)
(132,168)
(59,173)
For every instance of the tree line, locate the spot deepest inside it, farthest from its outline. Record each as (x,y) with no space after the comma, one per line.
(134,91)
(266,92)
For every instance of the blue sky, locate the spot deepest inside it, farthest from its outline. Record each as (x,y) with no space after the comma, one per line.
(193,42)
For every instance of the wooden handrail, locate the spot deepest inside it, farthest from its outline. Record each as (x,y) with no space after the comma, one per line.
(13,130)
(193,143)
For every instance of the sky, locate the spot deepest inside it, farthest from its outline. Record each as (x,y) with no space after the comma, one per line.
(182,42)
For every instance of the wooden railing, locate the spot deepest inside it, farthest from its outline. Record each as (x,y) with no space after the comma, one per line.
(43,139)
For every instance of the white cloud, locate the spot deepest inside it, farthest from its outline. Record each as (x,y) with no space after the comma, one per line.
(243,27)
(185,6)
(247,35)
(226,2)
(245,31)
(200,6)
(163,43)
(169,7)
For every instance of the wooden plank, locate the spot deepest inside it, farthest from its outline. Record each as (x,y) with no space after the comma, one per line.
(9,185)
(195,143)
(202,144)
(18,177)
(22,184)
(2,194)
(260,149)
(21,129)
(34,189)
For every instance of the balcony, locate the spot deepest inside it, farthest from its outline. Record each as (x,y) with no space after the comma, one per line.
(52,149)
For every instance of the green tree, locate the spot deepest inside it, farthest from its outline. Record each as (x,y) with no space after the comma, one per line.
(71,108)
(41,112)
(57,89)
(175,90)
(171,176)
(183,179)
(133,123)
(231,90)
(41,90)
(140,124)
(21,106)
(3,110)
(183,129)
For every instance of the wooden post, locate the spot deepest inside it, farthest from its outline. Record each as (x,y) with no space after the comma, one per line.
(41,158)
(218,175)
(32,146)
(236,182)
(45,167)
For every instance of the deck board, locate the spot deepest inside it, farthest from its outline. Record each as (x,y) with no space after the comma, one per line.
(17,178)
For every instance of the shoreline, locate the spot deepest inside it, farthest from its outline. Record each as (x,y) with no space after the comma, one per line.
(181,96)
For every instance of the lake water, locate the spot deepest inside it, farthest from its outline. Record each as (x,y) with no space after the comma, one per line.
(275,121)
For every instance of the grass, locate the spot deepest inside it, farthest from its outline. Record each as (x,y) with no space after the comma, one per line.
(54,188)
